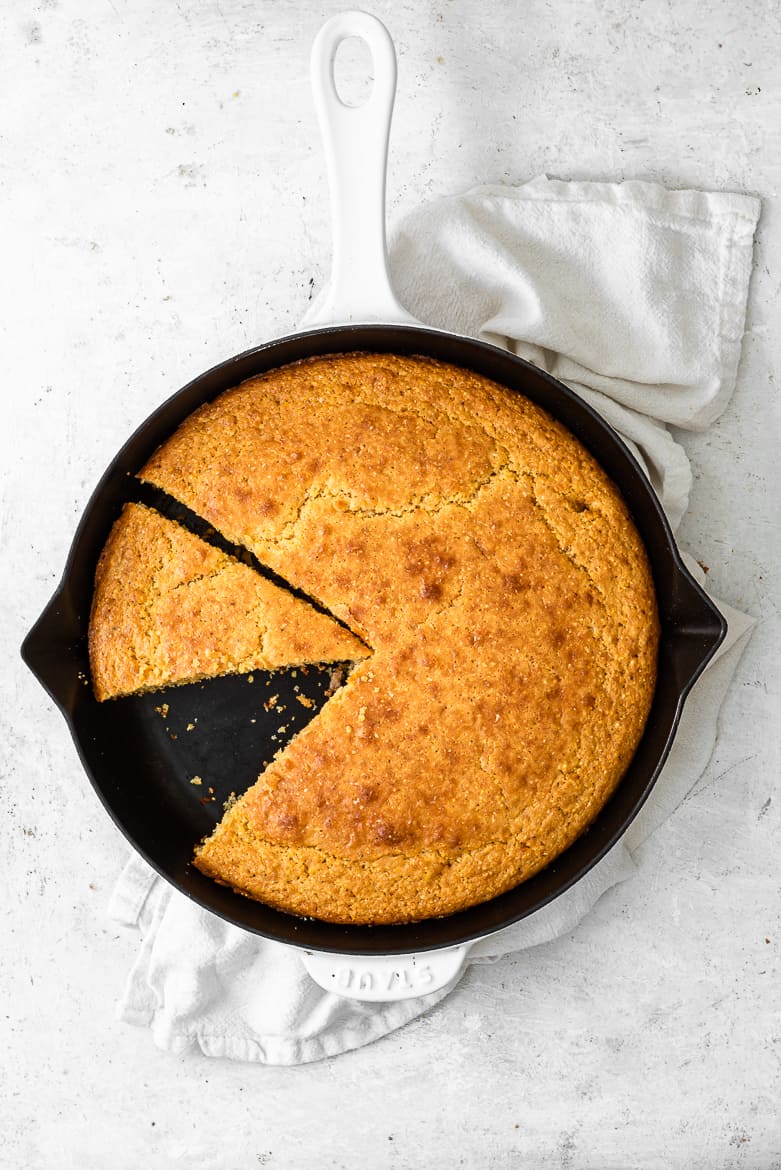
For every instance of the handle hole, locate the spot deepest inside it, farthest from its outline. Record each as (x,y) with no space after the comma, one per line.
(353,72)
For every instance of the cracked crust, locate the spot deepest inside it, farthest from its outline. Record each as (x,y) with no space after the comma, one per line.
(495,571)
(170,609)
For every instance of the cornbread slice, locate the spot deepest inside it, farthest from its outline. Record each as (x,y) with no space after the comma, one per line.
(497,574)
(169,608)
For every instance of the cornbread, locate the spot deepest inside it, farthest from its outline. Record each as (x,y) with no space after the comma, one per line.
(169,608)
(494,570)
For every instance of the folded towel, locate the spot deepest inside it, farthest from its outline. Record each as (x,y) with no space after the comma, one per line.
(636,297)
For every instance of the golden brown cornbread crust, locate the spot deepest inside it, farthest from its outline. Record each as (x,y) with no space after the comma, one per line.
(170,609)
(495,571)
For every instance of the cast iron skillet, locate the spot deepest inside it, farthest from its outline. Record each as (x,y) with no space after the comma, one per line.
(138,752)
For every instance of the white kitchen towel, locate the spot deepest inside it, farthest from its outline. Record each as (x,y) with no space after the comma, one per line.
(635,296)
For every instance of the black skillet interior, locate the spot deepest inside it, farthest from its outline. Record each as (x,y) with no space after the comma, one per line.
(143,754)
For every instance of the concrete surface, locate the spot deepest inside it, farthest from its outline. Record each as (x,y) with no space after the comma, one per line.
(165,206)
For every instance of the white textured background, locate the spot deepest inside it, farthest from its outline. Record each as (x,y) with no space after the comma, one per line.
(164,206)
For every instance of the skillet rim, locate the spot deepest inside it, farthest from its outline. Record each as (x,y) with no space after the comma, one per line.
(700,622)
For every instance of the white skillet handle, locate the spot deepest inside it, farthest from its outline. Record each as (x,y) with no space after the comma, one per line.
(355,139)
(379,979)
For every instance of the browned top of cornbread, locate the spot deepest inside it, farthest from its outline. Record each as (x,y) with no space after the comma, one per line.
(168,609)
(495,571)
